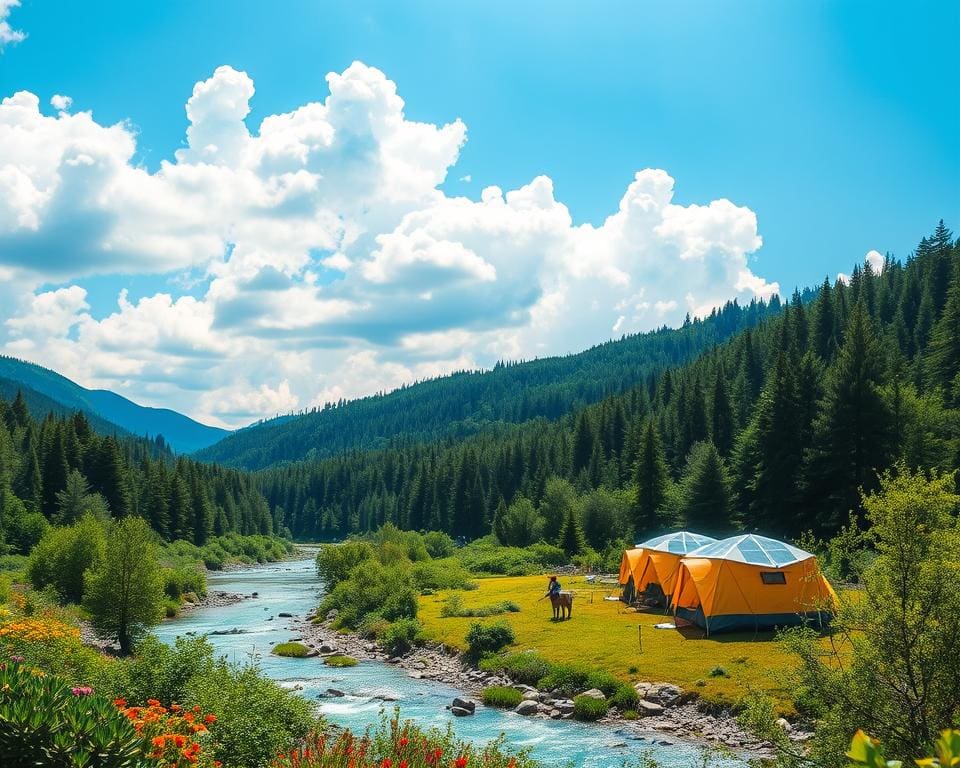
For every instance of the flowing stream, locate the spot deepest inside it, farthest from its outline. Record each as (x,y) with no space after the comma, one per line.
(293,587)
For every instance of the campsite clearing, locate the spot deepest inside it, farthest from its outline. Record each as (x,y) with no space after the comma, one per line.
(605,634)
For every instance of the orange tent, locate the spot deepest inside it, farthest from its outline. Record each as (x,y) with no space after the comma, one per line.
(661,557)
(627,564)
(750,583)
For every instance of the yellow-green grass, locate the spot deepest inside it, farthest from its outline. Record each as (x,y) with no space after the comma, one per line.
(293,649)
(605,634)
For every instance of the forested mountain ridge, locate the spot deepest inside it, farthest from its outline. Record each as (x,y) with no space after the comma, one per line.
(466,403)
(181,433)
(40,405)
(775,430)
(55,469)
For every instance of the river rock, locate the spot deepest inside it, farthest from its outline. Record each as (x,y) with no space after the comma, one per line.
(285,615)
(465,704)
(532,696)
(332,614)
(460,712)
(527,708)
(645,707)
(595,693)
(327,648)
(335,692)
(784,724)
(232,631)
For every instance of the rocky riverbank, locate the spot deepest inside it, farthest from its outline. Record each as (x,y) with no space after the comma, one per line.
(666,713)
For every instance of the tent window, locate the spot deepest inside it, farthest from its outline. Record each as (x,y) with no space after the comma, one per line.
(773,577)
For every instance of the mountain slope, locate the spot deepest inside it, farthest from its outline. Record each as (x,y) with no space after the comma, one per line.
(777,431)
(40,405)
(466,403)
(181,433)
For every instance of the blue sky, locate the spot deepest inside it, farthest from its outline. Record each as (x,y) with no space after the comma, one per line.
(837,124)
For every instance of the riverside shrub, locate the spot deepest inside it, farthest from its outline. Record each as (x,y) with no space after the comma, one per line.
(483,639)
(588,708)
(392,744)
(400,636)
(370,588)
(527,667)
(501,696)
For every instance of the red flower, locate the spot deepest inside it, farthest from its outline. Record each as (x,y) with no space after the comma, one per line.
(460,762)
(387,763)
(402,743)
(210,719)
(119,703)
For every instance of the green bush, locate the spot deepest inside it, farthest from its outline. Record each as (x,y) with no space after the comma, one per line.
(448,573)
(488,638)
(569,678)
(453,607)
(501,696)
(293,649)
(439,544)
(338,660)
(336,561)
(486,556)
(624,697)
(177,582)
(64,554)
(372,588)
(400,636)
(588,708)
(256,718)
(45,722)
(527,667)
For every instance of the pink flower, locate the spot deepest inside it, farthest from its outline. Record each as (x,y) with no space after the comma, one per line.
(82,690)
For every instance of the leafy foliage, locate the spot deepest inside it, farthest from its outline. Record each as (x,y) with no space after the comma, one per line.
(501,696)
(44,721)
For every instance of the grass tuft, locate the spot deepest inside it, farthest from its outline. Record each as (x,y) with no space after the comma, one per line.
(501,696)
(339,660)
(294,650)
(589,708)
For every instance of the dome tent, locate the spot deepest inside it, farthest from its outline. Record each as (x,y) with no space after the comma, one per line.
(750,582)
(627,563)
(659,562)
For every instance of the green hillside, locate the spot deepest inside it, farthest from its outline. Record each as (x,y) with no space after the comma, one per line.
(40,405)
(466,403)
(181,433)
(777,429)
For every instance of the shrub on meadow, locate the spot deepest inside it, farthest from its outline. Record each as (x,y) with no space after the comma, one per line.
(400,636)
(483,639)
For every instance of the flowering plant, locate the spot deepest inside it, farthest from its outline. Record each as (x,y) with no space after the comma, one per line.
(393,744)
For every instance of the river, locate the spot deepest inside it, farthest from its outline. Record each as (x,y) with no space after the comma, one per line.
(293,587)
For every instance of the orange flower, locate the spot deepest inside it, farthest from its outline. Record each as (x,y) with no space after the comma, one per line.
(210,719)
(119,703)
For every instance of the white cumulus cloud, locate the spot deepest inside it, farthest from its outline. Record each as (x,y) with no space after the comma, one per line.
(8,35)
(330,262)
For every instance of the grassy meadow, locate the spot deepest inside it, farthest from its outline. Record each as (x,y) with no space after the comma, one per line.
(605,634)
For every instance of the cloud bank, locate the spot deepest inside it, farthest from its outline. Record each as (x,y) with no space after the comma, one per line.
(325,259)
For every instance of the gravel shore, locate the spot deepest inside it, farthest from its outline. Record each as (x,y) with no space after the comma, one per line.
(668,714)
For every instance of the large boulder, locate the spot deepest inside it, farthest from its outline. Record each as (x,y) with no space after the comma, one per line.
(595,693)
(466,704)
(645,707)
(527,708)
(461,711)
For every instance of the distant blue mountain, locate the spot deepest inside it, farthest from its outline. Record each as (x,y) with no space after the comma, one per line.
(182,433)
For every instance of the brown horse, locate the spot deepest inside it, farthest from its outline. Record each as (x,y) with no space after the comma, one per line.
(561,602)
